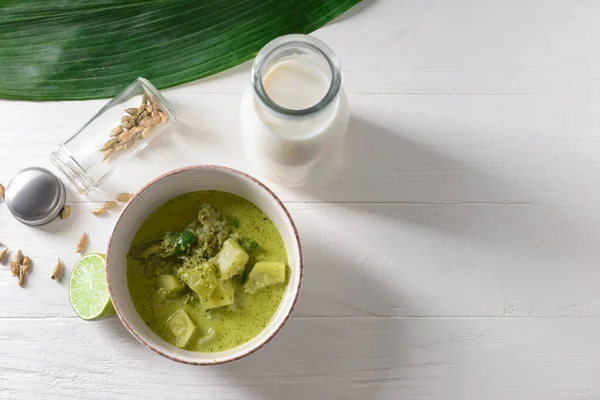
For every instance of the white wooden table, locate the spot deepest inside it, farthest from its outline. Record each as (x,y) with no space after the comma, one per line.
(456,257)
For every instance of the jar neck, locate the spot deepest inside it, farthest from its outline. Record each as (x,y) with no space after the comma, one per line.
(75,174)
(298,47)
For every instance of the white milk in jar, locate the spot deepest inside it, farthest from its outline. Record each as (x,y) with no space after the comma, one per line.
(294,115)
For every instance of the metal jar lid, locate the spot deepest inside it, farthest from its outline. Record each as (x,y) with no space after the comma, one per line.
(35,196)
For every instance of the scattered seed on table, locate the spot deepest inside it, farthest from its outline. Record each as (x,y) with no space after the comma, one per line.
(98,211)
(124,197)
(14,268)
(109,204)
(19,257)
(26,264)
(66,212)
(21,277)
(82,244)
(3,255)
(56,270)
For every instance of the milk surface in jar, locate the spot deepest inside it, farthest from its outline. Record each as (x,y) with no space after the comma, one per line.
(294,115)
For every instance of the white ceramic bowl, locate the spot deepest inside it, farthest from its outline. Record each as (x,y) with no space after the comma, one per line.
(166,187)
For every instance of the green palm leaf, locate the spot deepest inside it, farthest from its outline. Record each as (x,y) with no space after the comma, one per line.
(78,49)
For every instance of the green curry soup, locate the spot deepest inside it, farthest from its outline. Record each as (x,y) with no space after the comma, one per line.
(207,271)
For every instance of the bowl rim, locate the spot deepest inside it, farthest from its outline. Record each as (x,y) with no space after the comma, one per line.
(300,262)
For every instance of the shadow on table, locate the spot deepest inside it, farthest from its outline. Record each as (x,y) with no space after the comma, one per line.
(409,171)
(319,357)
(382,166)
(432,189)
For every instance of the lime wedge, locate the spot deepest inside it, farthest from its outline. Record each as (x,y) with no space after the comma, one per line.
(88,290)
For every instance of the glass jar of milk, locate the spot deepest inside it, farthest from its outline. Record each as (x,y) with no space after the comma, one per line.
(294,115)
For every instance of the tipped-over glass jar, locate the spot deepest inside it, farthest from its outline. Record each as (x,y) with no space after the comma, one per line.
(294,115)
(114,135)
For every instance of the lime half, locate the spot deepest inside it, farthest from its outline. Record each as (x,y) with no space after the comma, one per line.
(88,290)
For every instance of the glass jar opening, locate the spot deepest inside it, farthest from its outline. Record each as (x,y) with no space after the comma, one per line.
(70,168)
(302,48)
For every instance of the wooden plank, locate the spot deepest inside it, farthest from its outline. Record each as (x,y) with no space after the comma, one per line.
(481,260)
(356,358)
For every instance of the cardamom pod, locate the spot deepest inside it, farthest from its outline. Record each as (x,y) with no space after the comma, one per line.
(21,277)
(127,124)
(82,244)
(3,254)
(148,130)
(108,153)
(2,192)
(66,212)
(146,121)
(14,268)
(57,270)
(137,132)
(98,211)
(26,264)
(126,136)
(132,111)
(124,146)
(109,205)
(124,197)
(163,116)
(144,99)
(19,257)
(143,115)
(116,131)
(110,143)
